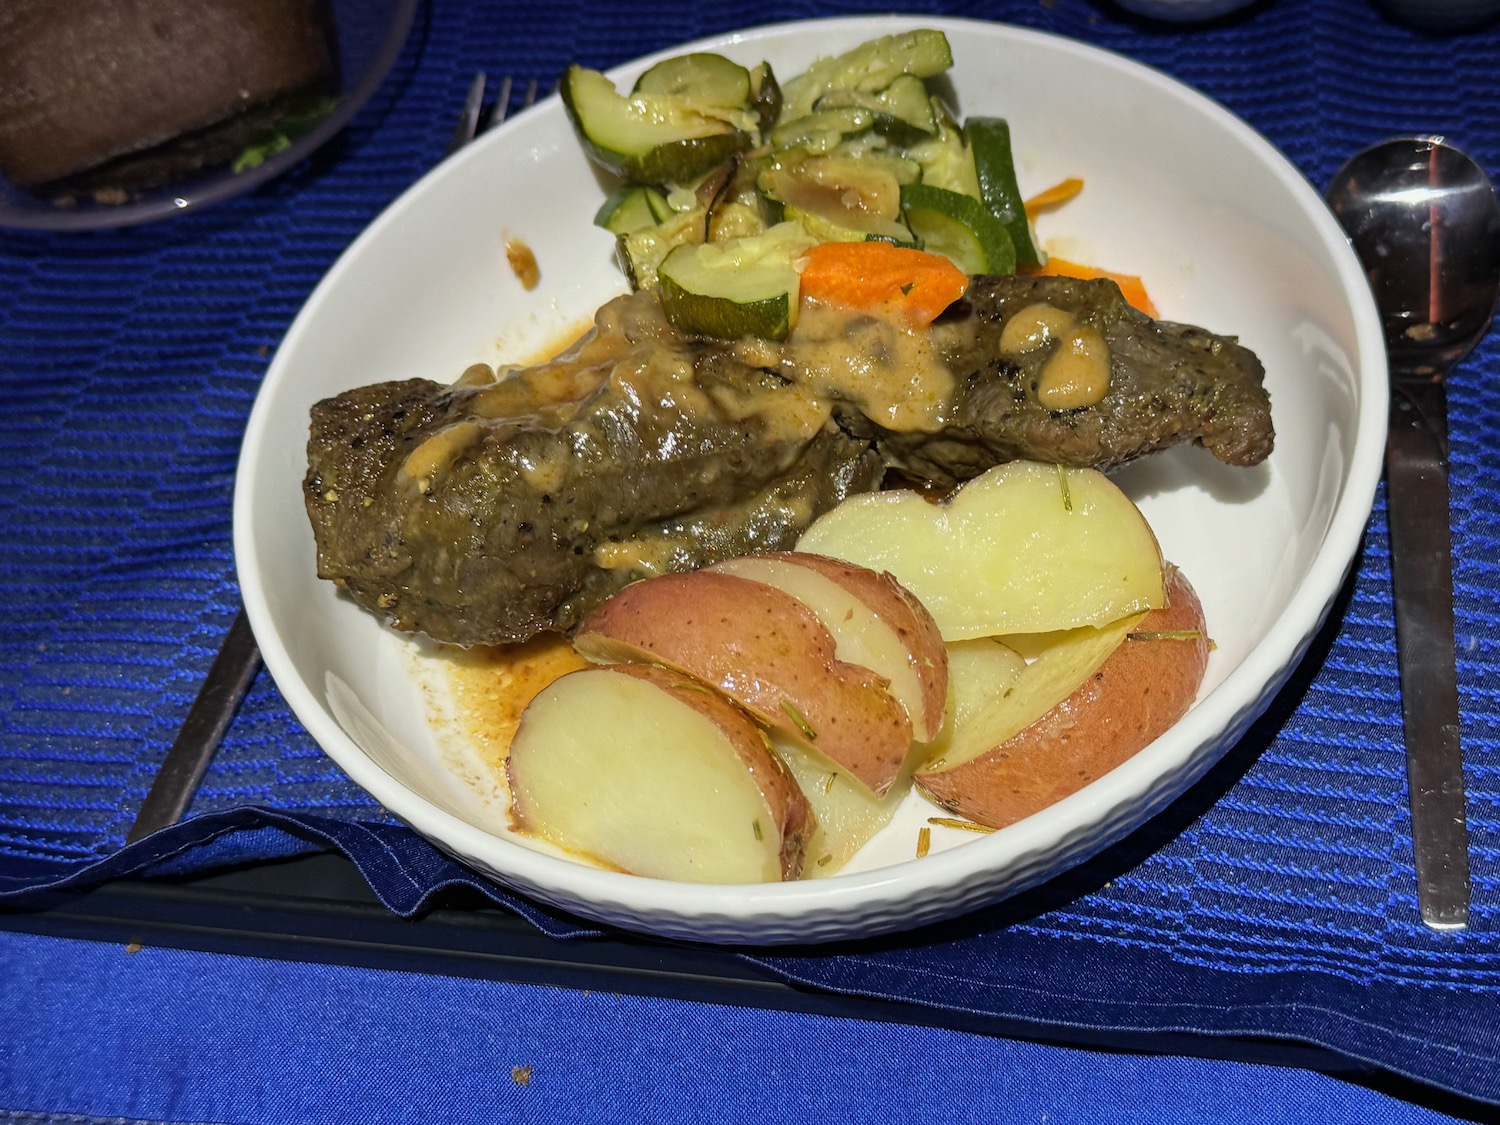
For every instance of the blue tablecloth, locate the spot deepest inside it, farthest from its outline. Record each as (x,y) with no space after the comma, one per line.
(115,1035)
(1277,900)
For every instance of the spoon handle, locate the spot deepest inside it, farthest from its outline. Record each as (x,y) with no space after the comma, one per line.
(1422,573)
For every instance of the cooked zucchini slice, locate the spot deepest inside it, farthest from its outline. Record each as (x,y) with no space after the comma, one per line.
(868,68)
(735,208)
(806,180)
(903,110)
(960,228)
(701,77)
(995,169)
(747,287)
(730,219)
(837,199)
(632,208)
(827,226)
(825,130)
(873,150)
(945,159)
(642,251)
(651,138)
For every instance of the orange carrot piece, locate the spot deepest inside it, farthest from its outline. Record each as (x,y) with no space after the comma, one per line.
(916,285)
(1054,196)
(1130,285)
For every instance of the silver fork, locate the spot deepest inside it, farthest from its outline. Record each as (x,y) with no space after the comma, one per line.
(469,127)
(238,660)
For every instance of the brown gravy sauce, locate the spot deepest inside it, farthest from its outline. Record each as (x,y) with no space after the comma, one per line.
(522,262)
(893,373)
(1076,373)
(491,686)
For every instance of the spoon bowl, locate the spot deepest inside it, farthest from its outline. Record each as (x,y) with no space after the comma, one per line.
(1425,221)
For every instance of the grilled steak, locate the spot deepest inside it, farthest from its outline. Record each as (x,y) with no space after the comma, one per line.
(497,508)
(1168,383)
(488,512)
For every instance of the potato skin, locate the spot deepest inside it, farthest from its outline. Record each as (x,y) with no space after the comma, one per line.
(789,808)
(1140,691)
(766,651)
(791,814)
(899,609)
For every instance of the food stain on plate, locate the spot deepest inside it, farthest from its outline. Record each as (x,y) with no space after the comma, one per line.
(522,261)
(475,698)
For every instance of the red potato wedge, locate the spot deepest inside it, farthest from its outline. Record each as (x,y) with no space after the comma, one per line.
(765,650)
(876,623)
(992,700)
(1022,548)
(644,770)
(848,815)
(978,670)
(1142,687)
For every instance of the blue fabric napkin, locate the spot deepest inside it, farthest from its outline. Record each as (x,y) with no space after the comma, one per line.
(1277,899)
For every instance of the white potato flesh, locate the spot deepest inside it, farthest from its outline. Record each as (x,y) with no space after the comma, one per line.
(1144,684)
(610,766)
(848,814)
(1023,548)
(860,637)
(999,700)
(978,671)
(764,649)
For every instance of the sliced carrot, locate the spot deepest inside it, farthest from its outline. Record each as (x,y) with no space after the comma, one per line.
(1054,196)
(1130,285)
(915,285)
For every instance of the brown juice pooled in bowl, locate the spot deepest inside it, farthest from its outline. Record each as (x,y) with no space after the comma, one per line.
(491,686)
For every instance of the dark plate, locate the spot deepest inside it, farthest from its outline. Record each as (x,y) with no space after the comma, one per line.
(368,38)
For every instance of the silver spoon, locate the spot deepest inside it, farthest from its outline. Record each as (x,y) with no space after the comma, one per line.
(1425,222)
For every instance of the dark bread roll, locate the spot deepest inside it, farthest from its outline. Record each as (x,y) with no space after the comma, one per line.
(85,81)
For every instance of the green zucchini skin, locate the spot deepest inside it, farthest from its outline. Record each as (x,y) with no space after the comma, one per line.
(700,76)
(995,168)
(869,67)
(959,226)
(632,208)
(745,287)
(669,143)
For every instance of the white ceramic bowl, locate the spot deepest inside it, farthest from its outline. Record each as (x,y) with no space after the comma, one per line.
(1224,230)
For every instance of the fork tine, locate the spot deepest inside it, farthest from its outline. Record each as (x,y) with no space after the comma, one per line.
(501,109)
(468,118)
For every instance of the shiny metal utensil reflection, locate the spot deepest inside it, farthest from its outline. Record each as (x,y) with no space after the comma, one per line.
(469,126)
(238,661)
(1425,222)
(218,699)
(468,116)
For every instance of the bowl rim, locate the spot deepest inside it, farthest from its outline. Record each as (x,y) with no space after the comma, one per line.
(761,912)
(217,185)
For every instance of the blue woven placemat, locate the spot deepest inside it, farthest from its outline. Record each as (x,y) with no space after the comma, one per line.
(1277,899)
